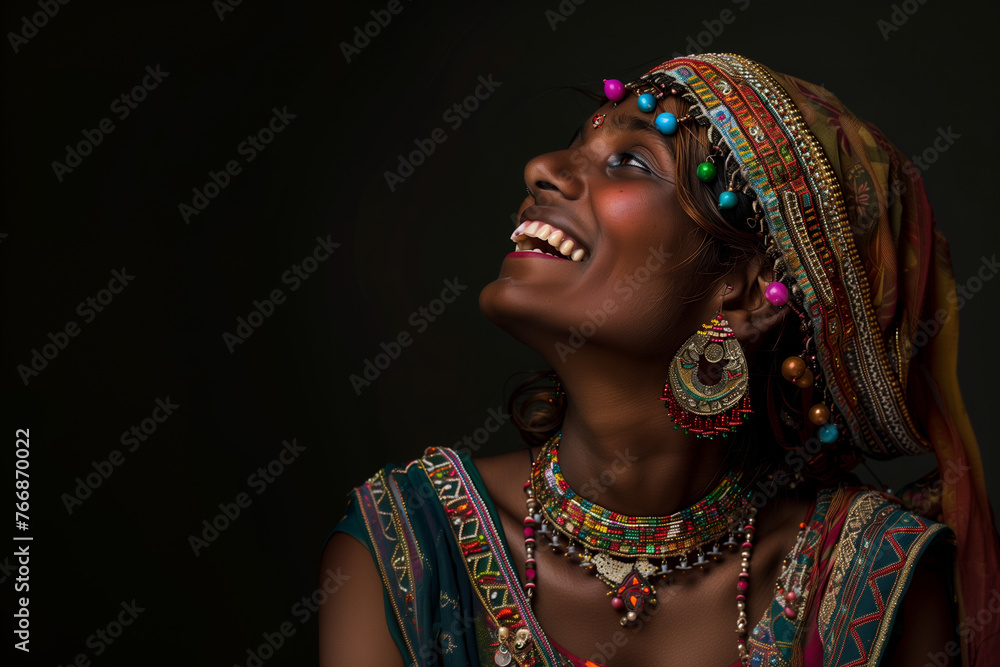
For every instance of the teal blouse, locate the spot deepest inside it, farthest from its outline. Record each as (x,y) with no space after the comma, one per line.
(450,585)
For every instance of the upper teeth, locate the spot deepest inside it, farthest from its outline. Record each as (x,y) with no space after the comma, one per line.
(555,237)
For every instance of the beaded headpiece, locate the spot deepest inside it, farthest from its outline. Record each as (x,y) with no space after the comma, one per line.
(853,240)
(773,159)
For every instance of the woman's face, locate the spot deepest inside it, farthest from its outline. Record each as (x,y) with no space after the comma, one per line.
(626,284)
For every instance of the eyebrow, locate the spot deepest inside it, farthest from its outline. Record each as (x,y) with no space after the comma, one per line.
(621,124)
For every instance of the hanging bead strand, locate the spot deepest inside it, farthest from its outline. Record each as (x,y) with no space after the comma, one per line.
(743,585)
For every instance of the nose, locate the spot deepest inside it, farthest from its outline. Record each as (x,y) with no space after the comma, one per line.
(553,175)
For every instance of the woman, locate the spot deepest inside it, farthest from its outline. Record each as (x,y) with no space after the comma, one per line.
(733,244)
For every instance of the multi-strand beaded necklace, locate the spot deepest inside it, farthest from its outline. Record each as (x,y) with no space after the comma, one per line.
(624,551)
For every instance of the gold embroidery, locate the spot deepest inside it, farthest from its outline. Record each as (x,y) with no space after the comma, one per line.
(858,517)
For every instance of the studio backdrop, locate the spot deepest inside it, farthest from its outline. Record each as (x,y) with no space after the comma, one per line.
(242,246)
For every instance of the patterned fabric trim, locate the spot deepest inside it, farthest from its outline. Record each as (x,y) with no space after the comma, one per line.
(382,510)
(786,167)
(771,641)
(495,580)
(879,546)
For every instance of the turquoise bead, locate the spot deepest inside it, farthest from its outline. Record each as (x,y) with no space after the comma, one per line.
(666,123)
(828,433)
(647,102)
(727,199)
(706,172)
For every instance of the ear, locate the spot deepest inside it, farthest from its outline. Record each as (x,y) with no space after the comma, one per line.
(751,316)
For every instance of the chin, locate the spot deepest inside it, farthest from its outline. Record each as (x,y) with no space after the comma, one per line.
(525,317)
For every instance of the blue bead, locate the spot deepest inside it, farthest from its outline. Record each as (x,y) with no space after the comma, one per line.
(647,102)
(828,433)
(666,123)
(727,199)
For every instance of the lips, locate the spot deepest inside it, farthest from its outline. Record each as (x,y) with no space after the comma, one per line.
(545,238)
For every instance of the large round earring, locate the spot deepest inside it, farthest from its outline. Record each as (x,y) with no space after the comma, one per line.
(708,410)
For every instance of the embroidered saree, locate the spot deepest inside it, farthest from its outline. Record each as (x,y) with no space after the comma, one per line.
(450,583)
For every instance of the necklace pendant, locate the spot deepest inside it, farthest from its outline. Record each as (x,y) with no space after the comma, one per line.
(632,595)
(502,656)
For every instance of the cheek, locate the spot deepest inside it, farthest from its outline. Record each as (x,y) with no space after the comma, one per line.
(627,206)
(637,219)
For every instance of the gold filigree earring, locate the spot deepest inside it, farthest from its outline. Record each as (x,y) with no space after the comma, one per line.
(705,409)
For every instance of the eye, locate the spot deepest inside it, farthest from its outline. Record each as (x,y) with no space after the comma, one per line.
(629,160)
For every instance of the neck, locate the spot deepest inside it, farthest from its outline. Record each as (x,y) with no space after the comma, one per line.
(619,448)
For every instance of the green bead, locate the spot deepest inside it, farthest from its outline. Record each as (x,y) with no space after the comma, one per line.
(706,171)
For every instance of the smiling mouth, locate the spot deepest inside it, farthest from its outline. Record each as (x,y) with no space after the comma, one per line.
(541,237)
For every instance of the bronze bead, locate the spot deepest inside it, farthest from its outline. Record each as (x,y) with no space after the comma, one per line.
(819,414)
(793,368)
(805,380)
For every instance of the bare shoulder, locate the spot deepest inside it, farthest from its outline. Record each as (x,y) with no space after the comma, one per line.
(504,476)
(353,628)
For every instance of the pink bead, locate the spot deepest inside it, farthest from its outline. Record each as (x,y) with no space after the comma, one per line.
(789,612)
(742,586)
(617,603)
(777,293)
(747,545)
(529,532)
(613,89)
(741,598)
(790,596)
(529,573)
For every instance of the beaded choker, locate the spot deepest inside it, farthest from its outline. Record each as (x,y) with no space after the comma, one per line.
(602,530)
(620,549)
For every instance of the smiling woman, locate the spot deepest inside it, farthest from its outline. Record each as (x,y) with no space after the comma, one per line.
(732,244)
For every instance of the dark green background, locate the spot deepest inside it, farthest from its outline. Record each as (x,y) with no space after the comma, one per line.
(323,175)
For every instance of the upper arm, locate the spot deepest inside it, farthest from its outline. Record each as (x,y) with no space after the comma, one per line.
(352,621)
(928,632)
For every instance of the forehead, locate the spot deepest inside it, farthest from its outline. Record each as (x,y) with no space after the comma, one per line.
(623,117)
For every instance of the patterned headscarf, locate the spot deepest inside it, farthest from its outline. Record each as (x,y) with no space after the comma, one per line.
(873,276)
